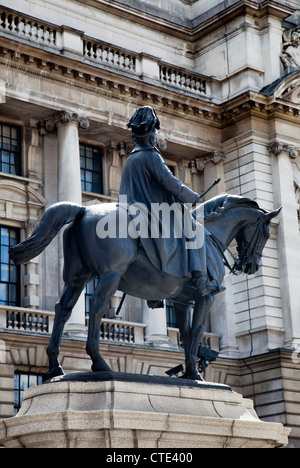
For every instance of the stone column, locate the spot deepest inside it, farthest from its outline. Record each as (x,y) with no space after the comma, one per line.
(222,313)
(69,179)
(288,239)
(156,331)
(69,189)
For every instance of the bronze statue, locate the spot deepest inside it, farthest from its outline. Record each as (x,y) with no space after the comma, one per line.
(127,248)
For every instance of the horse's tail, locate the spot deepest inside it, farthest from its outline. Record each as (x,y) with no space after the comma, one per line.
(54,218)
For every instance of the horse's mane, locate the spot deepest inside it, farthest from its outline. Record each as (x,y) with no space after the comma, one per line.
(221,203)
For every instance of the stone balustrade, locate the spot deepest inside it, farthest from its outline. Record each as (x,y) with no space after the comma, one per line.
(119,331)
(27,28)
(183,80)
(20,319)
(110,56)
(73,42)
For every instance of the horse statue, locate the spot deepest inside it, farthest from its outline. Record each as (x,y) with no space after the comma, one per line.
(121,264)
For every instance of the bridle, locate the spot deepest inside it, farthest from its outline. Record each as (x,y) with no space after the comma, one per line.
(237,268)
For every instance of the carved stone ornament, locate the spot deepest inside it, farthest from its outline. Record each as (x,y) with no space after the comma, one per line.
(198,165)
(162,143)
(278,147)
(64,118)
(291,49)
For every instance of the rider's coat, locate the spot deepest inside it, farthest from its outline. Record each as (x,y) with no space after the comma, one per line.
(147,180)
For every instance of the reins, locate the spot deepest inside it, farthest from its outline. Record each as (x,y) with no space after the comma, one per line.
(223,248)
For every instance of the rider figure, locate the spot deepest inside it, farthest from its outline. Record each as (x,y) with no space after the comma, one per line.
(147,180)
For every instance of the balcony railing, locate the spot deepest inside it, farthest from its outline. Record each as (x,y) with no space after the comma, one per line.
(19,319)
(39,322)
(26,320)
(93,51)
(27,28)
(183,80)
(110,56)
(119,331)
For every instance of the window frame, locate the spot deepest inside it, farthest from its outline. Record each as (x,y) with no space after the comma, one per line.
(12,270)
(88,168)
(17,153)
(19,391)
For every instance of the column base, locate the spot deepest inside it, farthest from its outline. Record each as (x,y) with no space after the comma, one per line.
(160,341)
(75,330)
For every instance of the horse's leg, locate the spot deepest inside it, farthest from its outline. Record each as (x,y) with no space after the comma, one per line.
(106,288)
(183,319)
(202,307)
(63,310)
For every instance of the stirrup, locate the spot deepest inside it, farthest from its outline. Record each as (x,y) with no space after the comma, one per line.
(207,287)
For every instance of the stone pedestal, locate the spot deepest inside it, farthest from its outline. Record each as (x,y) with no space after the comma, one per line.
(112,410)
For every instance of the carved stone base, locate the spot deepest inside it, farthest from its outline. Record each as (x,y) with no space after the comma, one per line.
(111,410)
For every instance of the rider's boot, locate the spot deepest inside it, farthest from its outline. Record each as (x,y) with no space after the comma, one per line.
(201,282)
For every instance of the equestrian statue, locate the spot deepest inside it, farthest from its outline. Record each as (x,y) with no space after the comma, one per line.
(159,241)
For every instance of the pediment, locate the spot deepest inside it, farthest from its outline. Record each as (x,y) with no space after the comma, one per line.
(11,190)
(289,89)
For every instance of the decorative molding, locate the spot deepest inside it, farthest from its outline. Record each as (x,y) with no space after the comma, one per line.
(291,92)
(278,147)
(64,117)
(106,82)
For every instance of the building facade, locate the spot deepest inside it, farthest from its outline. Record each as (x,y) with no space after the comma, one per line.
(224,78)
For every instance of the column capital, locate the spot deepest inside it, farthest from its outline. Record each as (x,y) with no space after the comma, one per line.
(278,147)
(198,165)
(64,118)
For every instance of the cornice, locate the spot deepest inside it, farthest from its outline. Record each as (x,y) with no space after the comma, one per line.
(145,18)
(100,80)
(255,104)
(129,88)
(193,29)
(216,18)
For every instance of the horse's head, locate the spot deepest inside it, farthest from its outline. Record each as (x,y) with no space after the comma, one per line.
(251,241)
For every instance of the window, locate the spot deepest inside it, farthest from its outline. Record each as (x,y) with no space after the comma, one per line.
(21,382)
(89,291)
(10,149)
(9,273)
(171,317)
(91,169)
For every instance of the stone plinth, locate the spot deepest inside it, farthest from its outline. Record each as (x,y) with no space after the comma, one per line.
(112,410)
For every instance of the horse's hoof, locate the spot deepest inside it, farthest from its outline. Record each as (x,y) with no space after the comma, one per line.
(100,366)
(55,372)
(193,376)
